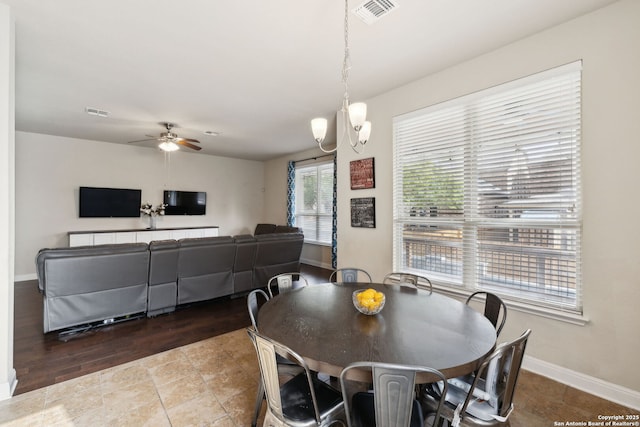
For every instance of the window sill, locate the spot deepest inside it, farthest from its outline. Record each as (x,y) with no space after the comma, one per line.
(548,312)
(316,243)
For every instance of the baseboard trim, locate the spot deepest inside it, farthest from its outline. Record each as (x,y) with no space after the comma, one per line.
(316,263)
(25,277)
(7,389)
(606,390)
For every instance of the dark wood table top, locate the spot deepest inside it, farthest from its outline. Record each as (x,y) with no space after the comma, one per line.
(415,327)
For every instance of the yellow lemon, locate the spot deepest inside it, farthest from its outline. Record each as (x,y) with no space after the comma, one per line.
(369,293)
(378,296)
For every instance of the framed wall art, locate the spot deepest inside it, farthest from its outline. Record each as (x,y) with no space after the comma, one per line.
(362,174)
(363,212)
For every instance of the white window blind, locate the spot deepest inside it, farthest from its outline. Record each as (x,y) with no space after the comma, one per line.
(487,191)
(314,201)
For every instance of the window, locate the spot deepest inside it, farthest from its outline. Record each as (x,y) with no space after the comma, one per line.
(487,190)
(314,202)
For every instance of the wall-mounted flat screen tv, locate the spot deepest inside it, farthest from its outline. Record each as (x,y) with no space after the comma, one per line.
(96,202)
(185,202)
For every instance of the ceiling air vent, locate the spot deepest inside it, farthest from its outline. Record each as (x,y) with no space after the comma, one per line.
(96,112)
(372,10)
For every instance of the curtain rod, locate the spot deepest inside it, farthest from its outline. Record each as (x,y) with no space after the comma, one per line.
(314,158)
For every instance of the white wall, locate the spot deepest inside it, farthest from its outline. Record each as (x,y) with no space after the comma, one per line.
(7,213)
(275,179)
(50,169)
(607,347)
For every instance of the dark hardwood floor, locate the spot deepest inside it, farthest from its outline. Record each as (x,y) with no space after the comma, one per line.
(43,359)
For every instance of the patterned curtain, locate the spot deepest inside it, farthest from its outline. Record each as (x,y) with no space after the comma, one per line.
(334,231)
(291,193)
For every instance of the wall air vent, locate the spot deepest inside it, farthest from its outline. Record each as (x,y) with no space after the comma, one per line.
(372,10)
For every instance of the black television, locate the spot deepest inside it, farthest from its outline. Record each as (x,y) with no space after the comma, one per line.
(185,202)
(96,202)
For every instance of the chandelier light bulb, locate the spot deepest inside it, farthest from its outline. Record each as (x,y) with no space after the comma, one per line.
(364,133)
(319,128)
(357,115)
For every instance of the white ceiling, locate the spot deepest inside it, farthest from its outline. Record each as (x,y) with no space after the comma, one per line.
(256,71)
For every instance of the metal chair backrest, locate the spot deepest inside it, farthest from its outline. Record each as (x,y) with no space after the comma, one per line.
(394,389)
(350,275)
(397,278)
(284,282)
(253,305)
(501,369)
(493,307)
(267,351)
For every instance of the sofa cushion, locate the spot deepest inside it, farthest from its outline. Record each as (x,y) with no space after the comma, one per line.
(287,229)
(246,247)
(163,267)
(94,283)
(275,254)
(205,268)
(65,271)
(162,294)
(265,229)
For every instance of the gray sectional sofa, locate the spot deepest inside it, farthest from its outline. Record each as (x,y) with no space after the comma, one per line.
(88,284)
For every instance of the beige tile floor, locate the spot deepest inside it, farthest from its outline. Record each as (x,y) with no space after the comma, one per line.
(213,383)
(208,383)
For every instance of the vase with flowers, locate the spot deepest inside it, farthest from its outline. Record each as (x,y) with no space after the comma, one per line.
(152,212)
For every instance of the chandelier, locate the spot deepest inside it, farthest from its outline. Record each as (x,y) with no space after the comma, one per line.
(353,113)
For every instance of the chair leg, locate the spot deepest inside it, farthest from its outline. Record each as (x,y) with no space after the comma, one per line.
(259,399)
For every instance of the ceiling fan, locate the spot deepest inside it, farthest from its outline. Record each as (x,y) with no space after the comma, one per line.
(170,141)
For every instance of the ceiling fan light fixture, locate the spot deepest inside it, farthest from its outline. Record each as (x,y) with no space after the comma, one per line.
(169,141)
(168,146)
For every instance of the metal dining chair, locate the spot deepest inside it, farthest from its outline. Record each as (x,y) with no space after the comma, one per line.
(253,307)
(484,399)
(300,401)
(397,278)
(284,282)
(494,309)
(292,368)
(392,402)
(350,275)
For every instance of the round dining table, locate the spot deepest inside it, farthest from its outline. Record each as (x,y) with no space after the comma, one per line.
(415,327)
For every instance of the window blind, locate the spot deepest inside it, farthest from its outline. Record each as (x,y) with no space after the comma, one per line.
(314,201)
(487,191)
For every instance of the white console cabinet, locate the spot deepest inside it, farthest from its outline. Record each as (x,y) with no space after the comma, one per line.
(91,238)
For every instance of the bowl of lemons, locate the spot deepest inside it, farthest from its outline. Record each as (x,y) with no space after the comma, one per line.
(368,301)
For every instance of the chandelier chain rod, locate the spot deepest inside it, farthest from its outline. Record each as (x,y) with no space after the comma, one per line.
(346,62)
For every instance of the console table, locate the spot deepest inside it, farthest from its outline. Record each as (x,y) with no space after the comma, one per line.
(101,237)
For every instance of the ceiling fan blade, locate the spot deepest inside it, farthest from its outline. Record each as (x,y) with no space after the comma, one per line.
(149,138)
(190,140)
(187,144)
(143,140)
